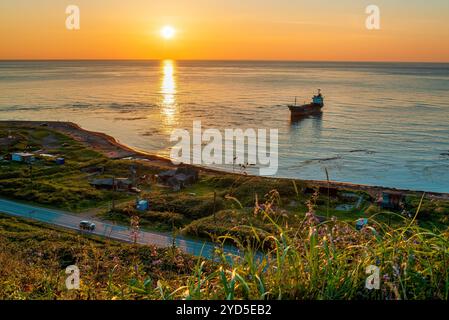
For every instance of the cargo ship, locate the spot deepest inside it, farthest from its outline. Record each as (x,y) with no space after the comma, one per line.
(308,109)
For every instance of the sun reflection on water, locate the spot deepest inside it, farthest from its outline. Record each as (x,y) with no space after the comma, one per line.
(168,90)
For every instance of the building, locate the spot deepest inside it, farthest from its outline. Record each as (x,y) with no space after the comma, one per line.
(142,205)
(122,184)
(22,157)
(179,178)
(391,200)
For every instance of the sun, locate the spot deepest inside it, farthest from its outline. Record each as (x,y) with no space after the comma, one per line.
(168,32)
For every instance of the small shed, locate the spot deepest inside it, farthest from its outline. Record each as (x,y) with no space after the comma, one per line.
(192,174)
(123,183)
(391,200)
(111,183)
(22,157)
(179,178)
(60,161)
(142,205)
(164,176)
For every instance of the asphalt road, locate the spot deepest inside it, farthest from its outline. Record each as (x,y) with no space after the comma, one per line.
(67,220)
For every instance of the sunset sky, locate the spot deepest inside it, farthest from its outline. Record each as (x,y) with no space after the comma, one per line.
(411,30)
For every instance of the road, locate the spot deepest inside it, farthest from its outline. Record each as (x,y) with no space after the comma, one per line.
(70,221)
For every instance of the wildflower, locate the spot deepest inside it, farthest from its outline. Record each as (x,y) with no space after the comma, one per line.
(311,218)
(156,262)
(153,252)
(312,232)
(116,261)
(396,270)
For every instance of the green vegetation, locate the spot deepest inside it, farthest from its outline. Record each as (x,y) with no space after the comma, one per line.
(33,258)
(67,187)
(45,182)
(328,261)
(300,238)
(319,261)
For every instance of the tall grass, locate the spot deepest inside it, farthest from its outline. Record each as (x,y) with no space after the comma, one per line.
(308,260)
(328,260)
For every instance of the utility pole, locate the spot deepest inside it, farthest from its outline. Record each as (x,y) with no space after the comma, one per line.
(133,171)
(30,167)
(328,192)
(113,194)
(215,202)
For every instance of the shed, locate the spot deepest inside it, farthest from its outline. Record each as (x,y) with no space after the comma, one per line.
(60,161)
(111,183)
(164,176)
(391,200)
(142,205)
(22,157)
(179,178)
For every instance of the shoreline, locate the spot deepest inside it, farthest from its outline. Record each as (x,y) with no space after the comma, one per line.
(114,149)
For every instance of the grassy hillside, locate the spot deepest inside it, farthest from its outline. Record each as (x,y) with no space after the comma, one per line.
(320,261)
(33,258)
(300,238)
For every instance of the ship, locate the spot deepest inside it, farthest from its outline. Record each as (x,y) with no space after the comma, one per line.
(308,109)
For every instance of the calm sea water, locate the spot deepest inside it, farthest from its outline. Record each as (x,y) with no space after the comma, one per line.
(383,123)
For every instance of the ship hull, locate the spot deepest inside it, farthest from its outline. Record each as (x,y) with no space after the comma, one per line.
(305,110)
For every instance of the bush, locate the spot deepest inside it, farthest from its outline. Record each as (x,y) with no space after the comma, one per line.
(192,207)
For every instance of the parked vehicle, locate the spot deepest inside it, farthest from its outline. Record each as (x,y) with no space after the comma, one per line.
(87,225)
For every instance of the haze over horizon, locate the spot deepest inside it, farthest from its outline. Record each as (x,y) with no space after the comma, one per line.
(411,31)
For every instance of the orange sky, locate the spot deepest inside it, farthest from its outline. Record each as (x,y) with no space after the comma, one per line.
(246,29)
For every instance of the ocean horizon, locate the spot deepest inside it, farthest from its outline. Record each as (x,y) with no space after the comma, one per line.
(384,123)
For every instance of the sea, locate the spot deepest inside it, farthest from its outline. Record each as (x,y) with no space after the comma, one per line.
(383,124)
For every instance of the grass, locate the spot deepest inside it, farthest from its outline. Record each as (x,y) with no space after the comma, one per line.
(60,186)
(67,187)
(298,244)
(33,258)
(329,261)
(325,260)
